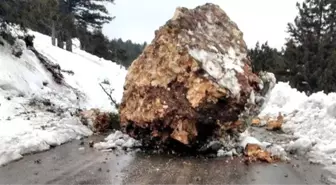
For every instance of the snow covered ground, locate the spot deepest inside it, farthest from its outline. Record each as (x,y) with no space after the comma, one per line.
(35,112)
(311,120)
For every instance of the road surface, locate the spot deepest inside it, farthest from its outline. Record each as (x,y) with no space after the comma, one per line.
(71,164)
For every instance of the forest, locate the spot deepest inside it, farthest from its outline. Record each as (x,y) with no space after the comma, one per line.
(308,59)
(67,19)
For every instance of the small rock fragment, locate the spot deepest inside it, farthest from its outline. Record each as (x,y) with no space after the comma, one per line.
(255,122)
(253,152)
(198,178)
(275,124)
(91,143)
(214,145)
(38,161)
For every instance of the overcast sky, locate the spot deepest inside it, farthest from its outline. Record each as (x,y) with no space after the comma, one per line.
(260,20)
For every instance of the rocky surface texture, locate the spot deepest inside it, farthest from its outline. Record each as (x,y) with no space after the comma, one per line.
(99,121)
(192,83)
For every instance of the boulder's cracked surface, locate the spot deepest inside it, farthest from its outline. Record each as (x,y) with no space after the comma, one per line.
(191,83)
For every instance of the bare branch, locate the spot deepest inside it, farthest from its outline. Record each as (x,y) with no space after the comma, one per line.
(110,96)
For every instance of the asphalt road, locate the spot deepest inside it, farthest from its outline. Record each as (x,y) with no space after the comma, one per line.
(67,164)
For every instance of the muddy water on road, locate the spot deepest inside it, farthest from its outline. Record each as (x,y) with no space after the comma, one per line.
(67,164)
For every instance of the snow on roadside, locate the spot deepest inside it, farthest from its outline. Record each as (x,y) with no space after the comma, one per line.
(117,140)
(311,120)
(35,112)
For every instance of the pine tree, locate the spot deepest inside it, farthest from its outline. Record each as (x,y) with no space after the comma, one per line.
(83,14)
(313,34)
(33,14)
(44,16)
(13,11)
(266,58)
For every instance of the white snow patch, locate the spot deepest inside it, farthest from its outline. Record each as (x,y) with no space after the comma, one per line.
(300,146)
(249,140)
(222,67)
(27,128)
(117,140)
(221,153)
(277,150)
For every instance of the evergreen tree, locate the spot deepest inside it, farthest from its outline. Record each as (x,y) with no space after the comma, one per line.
(313,33)
(34,14)
(65,19)
(265,58)
(10,12)
(81,14)
(42,17)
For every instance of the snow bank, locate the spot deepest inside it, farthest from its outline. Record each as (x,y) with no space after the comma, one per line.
(311,119)
(35,112)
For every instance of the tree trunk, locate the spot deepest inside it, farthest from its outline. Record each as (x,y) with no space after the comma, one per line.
(82,46)
(68,43)
(53,34)
(60,40)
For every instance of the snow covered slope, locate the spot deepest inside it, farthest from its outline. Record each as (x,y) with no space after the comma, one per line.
(311,119)
(35,112)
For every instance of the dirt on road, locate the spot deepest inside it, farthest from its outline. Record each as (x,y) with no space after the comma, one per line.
(74,163)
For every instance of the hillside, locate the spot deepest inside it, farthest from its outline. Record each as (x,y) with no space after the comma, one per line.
(36,112)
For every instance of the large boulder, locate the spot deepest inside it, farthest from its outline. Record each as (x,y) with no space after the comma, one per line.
(191,83)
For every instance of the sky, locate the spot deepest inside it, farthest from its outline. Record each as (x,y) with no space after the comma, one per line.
(259,20)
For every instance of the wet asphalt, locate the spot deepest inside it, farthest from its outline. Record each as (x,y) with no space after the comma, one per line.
(73,163)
